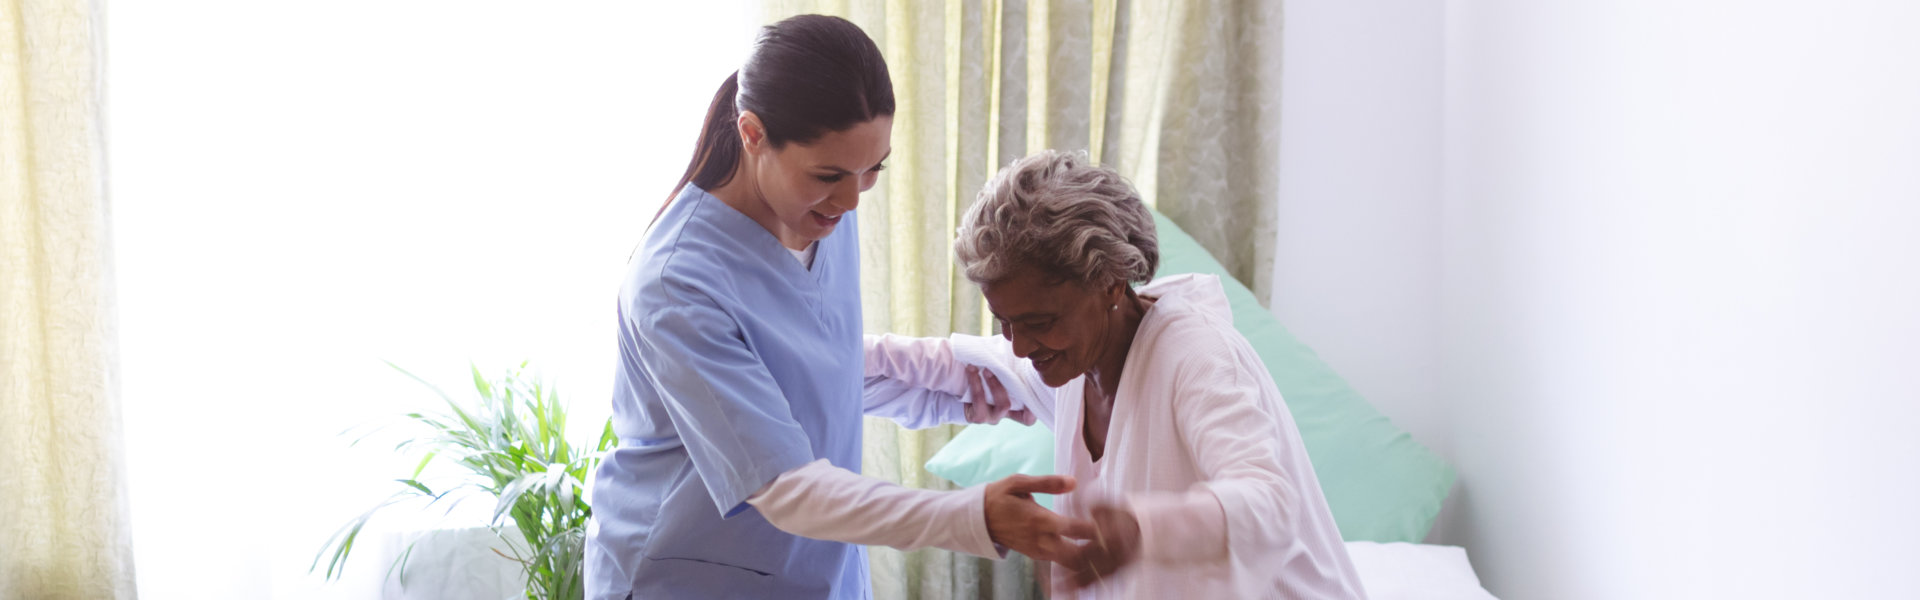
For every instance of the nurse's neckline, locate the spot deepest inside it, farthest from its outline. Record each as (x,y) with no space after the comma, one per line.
(757,225)
(744,197)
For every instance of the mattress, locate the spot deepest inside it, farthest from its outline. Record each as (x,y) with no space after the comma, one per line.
(1400,571)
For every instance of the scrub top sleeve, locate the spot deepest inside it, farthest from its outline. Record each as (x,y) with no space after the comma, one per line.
(730,414)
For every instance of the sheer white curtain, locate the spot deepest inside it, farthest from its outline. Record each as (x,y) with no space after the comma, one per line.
(63,512)
(306,188)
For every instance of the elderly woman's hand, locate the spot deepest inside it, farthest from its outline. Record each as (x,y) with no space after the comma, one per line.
(1115,544)
(1014,520)
(990,399)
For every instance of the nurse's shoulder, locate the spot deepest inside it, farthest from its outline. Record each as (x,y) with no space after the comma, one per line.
(686,258)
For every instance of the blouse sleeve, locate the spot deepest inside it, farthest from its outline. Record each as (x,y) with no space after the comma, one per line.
(940,364)
(1247,502)
(914,382)
(826,502)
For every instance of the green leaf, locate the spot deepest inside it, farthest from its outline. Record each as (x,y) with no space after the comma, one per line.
(436,389)
(480,382)
(416,485)
(511,443)
(401,564)
(608,439)
(341,542)
(511,495)
(423,464)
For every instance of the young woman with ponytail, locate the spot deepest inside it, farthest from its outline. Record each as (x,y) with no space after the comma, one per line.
(742,373)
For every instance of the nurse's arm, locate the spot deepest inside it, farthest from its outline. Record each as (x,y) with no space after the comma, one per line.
(915,376)
(821,501)
(911,406)
(919,408)
(730,414)
(923,362)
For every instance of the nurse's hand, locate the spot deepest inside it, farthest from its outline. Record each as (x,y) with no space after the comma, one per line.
(1014,520)
(990,399)
(1116,544)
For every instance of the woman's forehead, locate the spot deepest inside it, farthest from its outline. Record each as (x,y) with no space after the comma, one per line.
(854,149)
(1029,289)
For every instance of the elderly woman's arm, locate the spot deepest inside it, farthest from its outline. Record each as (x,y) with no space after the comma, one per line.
(1248,502)
(916,380)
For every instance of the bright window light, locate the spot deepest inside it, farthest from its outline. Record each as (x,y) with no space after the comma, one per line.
(301,190)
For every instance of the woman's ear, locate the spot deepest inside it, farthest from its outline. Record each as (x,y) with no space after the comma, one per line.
(753,133)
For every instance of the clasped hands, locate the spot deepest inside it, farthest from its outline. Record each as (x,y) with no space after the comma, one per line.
(1091,549)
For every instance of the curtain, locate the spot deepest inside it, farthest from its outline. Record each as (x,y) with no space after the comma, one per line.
(62,490)
(1179,96)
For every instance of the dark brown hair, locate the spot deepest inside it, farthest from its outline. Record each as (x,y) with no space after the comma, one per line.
(807,76)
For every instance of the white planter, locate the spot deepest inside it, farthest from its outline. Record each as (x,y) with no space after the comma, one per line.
(451,564)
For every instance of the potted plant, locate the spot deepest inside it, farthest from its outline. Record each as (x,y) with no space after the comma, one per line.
(510,444)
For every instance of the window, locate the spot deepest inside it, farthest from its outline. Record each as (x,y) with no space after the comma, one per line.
(302,190)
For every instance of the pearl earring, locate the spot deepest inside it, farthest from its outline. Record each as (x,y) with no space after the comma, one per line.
(1114,307)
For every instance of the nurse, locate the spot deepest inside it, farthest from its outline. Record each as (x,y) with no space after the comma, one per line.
(741,380)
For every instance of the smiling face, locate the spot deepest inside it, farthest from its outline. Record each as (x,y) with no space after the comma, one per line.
(1062,325)
(808,188)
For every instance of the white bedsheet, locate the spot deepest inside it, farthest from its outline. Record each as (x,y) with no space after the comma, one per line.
(1401,571)
(459,563)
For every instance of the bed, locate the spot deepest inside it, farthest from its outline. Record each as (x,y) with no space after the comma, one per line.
(460,563)
(1403,571)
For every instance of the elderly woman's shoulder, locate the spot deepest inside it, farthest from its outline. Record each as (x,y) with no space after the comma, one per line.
(1183,332)
(1200,348)
(1191,304)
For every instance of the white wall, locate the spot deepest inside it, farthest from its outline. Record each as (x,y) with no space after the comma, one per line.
(1681,340)
(1357,249)
(1668,280)
(1356,274)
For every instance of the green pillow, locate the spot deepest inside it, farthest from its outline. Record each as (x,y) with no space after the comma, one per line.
(1381,484)
(983,453)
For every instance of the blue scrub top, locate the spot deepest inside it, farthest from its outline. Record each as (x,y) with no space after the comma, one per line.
(737,363)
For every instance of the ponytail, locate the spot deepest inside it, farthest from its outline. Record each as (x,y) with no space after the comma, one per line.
(718,153)
(807,75)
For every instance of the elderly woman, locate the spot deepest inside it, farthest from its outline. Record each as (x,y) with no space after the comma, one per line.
(1186,458)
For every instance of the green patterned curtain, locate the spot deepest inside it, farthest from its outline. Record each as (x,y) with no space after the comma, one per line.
(1180,96)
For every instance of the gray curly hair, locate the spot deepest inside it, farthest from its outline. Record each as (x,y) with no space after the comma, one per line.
(1059,212)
